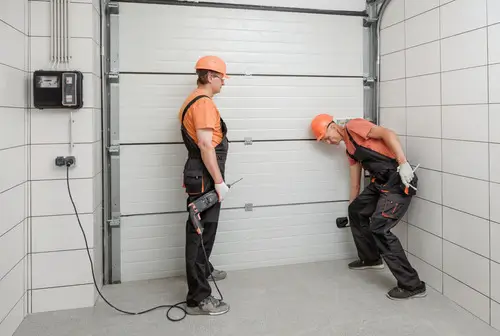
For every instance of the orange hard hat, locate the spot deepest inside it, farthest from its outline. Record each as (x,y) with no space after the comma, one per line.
(213,63)
(319,125)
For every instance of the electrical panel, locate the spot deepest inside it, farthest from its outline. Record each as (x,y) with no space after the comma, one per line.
(54,89)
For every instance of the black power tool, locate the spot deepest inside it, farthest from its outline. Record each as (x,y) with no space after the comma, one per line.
(203,203)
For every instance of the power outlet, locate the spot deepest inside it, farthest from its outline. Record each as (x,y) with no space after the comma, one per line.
(68,161)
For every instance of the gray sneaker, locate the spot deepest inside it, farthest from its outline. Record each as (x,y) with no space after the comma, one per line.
(209,306)
(218,275)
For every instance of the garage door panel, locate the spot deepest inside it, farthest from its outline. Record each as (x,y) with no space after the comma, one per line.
(351,5)
(169,53)
(153,246)
(274,173)
(264,108)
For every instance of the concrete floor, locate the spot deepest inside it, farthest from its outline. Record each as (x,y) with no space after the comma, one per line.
(309,299)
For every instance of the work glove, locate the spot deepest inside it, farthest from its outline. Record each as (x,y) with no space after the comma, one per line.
(406,173)
(222,189)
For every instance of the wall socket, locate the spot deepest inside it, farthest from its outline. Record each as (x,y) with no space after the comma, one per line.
(68,161)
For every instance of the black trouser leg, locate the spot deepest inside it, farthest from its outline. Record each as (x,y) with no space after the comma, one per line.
(196,268)
(391,207)
(360,211)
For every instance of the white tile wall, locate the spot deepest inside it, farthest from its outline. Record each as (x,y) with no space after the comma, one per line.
(430,187)
(495,238)
(493,45)
(466,194)
(426,215)
(394,13)
(425,246)
(424,121)
(466,158)
(392,39)
(494,75)
(423,60)
(415,7)
(61,298)
(394,118)
(55,269)
(467,231)
(468,86)
(471,46)
(495,163)
(494,201)
(428,273)
(476,272)
(423,90)
(417,152)
(468,298)
(458,123)
(393,93)
(472,14)
(494,123)
(393,66)
(46,135)
(495,281)
(455,218)
(422,28)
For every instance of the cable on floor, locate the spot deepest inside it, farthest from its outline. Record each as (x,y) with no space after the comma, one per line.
(170,307)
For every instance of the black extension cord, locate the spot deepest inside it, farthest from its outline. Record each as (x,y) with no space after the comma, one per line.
(170,307)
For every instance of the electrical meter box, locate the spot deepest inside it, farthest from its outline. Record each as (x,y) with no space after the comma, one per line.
(53,89)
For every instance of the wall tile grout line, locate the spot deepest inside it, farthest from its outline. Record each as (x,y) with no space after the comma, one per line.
(11,188)
(449,139)
(64,250)
(13,147)
(12,228)
(452,208)
(11,26)
(441,136)
(10,311)
(449,241)
(12,67)
(413,16)
(406,102)
(12,268)
(489,155)
(63,286)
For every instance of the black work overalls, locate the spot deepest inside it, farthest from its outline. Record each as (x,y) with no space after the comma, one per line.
(377,210)
(197,181)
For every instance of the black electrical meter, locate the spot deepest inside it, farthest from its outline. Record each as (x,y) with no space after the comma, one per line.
(54,89)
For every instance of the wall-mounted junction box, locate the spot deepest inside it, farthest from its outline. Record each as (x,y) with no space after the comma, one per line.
(54,89)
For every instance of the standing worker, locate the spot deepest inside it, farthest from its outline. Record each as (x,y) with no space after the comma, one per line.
(204,135)
(374,212)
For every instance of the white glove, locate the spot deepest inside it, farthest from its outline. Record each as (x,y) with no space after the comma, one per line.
(406,173)
(222,189)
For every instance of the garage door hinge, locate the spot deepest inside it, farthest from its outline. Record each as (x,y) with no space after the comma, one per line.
(114,149)
(248,206)
(368,22)
(114,77)
(369,81)
(248,141)
(113,8)
(114,222)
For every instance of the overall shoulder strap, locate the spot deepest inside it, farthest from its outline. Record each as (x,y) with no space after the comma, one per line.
(195,99)
(353,142)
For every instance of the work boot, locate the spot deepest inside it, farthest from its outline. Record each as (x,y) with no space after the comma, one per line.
(209,306)
(217,275)
(398,293)
(360,265)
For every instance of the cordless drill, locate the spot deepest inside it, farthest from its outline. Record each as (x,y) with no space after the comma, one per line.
(201,204)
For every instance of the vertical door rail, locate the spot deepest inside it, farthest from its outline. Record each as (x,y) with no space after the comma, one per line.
(113,150)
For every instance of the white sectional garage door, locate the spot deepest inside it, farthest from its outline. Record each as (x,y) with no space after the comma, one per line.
(285,68)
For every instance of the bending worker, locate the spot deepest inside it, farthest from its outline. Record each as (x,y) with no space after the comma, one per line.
(204,135)
(382,204)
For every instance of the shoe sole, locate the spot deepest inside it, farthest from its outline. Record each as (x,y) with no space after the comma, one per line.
(416,296)
(368,267)
(197,312)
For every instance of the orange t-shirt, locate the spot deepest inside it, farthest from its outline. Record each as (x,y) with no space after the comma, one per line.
(202,114)
(359,129)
